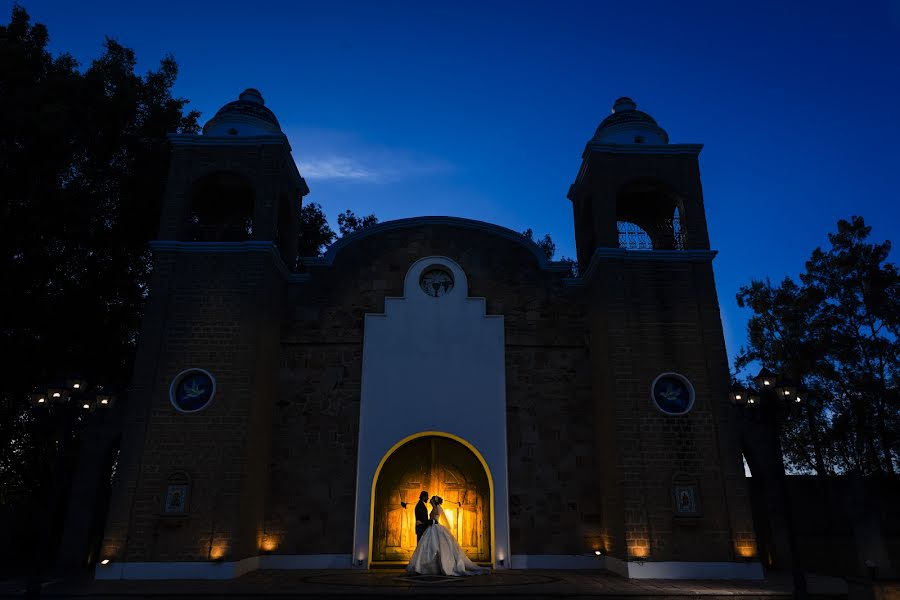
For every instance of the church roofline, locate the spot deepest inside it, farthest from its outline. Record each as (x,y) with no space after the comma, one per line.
(328,259)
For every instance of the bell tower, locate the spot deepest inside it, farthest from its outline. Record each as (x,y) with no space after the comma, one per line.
(673,490)
(197,428)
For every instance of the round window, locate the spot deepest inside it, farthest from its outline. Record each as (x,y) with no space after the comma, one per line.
(436,281)
(192,390)
(672,393)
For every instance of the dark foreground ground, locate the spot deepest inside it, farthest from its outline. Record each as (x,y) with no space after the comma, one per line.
(391,584)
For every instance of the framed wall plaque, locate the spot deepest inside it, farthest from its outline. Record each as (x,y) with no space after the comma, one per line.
(672,394)
(192,390)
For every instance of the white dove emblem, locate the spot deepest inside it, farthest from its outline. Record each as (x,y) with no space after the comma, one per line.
(671,393)
(194,390)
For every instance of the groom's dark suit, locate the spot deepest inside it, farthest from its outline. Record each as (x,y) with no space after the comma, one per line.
(422,520)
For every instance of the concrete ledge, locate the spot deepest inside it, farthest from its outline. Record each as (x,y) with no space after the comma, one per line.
(233,569)
(219,570)
(557,561)
(176,569)
(306,561)
(686,569)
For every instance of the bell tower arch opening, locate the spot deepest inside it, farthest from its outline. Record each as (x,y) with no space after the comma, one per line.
(222,206)
(649,217)
(444,466)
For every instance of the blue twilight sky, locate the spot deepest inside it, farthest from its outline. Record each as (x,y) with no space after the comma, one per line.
(482,109)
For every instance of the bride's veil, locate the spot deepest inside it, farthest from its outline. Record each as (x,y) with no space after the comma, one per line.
(442,518)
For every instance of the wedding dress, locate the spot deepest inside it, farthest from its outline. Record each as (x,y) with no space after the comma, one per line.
(438,552)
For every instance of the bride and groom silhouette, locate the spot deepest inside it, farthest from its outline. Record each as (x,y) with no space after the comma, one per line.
(437,551)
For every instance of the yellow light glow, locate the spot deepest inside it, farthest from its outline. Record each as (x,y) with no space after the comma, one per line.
(797,400)
(105,561)
(638,551)
(56,394)
(464,442)
(85,406)
(745,549)
(766,382)
(752,401)
(787,392)
(218,550)
(598,552)
(451,518)
(737,396)
(269,543)
(40,400)
(104,401)
(76,385)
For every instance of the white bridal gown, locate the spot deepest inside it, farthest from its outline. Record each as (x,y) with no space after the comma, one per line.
(438,552)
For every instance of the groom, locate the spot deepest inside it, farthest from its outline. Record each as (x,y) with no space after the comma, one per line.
(422,520)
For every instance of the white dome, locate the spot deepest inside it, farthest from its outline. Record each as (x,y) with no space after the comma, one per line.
(246,116)
(627,125)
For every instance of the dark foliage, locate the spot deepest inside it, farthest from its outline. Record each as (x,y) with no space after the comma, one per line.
(315,233)
(349,223)
(837,331)
(83,158)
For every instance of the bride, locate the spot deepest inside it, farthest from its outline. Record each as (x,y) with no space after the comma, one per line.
(438,552)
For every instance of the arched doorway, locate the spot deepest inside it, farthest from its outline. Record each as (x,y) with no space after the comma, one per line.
(444,467)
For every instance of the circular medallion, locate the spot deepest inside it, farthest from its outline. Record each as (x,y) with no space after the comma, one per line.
(672,393)
(192,390)
(436,282)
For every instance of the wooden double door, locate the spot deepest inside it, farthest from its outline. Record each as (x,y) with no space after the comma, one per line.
(443,467)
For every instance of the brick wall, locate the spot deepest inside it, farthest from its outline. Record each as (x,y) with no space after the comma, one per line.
(273,461)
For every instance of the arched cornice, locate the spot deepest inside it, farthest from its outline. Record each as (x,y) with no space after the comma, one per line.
(508,234)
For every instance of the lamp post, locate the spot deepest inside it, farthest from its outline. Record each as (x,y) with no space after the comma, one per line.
(773,399)
(58,409)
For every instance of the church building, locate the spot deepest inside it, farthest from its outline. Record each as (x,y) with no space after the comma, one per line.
(286,411)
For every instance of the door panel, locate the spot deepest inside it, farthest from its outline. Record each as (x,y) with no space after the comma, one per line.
(443,467)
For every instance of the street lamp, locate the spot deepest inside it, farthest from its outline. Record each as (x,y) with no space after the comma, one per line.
(775,398)
(60,407)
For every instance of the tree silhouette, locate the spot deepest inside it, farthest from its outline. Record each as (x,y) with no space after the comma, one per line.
(838,332)
(83,158)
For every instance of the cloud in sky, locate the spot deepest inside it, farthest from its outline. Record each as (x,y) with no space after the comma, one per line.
(334,155)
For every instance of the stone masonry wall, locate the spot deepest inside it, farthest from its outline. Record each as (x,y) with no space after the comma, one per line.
(212,311)
(553,496)
(652,317)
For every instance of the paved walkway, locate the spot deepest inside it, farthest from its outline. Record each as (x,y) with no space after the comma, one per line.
(390,584)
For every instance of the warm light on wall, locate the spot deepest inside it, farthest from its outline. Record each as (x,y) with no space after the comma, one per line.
(217,551)
(268,543)
(745,549)
(638,551)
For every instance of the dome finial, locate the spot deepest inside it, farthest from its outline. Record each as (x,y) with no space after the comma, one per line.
(628,125)
(252,95)
(246,116)
(624,104)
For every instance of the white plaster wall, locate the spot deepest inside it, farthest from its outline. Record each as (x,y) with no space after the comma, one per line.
(433,364)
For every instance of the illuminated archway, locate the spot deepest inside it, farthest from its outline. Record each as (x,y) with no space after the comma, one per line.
(444,465)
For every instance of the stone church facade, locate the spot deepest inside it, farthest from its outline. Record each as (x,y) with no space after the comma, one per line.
(286,411)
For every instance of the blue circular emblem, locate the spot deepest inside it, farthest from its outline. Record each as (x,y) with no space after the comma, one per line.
(672,393)
(192,390)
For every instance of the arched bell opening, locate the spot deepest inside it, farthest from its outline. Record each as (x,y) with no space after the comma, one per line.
(443,467)
(649,217)
(222,207)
